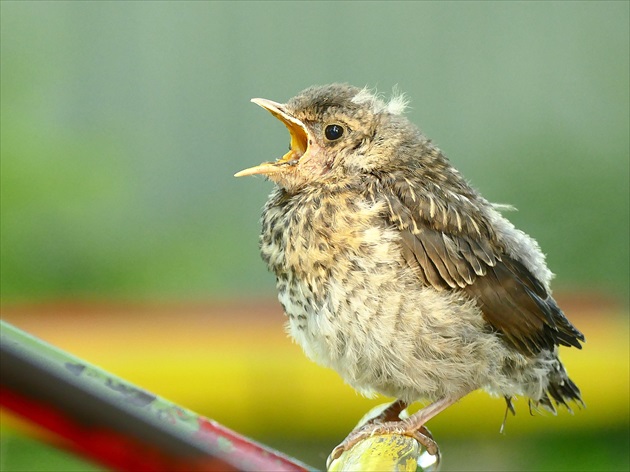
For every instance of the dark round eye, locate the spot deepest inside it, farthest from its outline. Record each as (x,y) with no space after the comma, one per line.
(333,132)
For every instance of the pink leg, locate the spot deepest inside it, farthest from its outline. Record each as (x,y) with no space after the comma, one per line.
(412,426)
(419,418)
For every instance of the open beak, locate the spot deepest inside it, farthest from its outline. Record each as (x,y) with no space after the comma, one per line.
(299,141)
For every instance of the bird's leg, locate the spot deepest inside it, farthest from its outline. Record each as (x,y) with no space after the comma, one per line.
(412,426)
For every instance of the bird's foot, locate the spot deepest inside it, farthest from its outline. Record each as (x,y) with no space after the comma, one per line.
(389,422)
(400,427)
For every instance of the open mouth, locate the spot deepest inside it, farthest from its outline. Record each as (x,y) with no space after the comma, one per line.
(299,140)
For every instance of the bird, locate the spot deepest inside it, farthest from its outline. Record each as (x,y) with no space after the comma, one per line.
(397,273)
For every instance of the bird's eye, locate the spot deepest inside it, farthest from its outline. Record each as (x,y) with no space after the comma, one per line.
(333,132)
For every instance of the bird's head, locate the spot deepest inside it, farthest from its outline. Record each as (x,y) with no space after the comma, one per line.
(337,131)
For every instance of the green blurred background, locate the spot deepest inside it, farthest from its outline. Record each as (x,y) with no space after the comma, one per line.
(122,124)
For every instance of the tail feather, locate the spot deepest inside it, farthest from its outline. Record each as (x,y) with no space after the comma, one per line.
(561,390)
(565,390)
(543,403)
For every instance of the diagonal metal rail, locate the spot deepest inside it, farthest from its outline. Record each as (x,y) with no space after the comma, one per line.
(114,423)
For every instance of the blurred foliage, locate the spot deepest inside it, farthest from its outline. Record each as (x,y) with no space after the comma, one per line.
(123,123)
(20,453)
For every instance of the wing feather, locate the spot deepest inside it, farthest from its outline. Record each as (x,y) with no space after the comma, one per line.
(449,255)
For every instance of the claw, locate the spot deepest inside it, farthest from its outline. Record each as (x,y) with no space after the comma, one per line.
(421,434)
(388,423)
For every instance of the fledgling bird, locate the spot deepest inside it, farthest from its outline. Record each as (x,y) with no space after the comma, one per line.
(396,273)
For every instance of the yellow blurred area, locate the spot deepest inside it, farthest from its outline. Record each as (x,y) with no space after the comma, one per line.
(233,362)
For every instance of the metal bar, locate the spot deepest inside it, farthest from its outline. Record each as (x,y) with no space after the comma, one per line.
(114,422)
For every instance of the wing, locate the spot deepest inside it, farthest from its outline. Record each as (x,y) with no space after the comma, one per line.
(451,247)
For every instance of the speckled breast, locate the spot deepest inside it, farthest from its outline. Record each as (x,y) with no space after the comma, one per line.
(332,255)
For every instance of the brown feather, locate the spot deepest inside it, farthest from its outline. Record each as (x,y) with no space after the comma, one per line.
(448,255)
